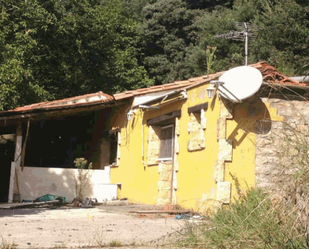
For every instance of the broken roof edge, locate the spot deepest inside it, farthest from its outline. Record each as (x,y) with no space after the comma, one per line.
(99,99)
(270,76)
(71,101)
(60,111)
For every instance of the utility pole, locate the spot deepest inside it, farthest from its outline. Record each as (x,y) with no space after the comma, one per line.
(240,36)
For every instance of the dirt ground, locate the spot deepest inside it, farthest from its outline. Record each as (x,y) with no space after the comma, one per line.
(85,227)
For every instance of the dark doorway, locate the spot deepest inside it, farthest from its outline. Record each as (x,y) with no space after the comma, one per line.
(7,149)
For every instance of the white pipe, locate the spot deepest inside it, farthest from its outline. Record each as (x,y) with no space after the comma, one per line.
(246,44)
(301,79)
(142,137)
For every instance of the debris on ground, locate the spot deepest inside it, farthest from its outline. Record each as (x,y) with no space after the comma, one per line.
(49,197)
(182,217)
(87,202)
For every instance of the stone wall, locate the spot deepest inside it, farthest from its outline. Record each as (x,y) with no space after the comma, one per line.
(275,146)
(196,128)
(164,184)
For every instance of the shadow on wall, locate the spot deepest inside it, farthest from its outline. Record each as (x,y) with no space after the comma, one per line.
(35,182)
(251,116)
(239,190)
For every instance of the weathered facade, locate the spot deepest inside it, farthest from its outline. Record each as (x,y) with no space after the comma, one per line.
(40,142)
(172,144)
(278,149)
(220,149)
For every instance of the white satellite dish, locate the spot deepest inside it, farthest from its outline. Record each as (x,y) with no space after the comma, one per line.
(240,83)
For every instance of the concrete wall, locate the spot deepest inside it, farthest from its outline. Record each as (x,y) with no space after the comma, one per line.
(35,182)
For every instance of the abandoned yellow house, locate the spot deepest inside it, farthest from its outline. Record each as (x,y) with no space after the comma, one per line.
(178,146)
(166,145)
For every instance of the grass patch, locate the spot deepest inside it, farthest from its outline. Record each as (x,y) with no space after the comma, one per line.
(6,244)
(115,243)
(99,239)
(250,222)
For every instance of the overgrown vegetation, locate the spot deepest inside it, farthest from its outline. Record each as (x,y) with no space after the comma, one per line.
(52,49)
(252,221)
(4,244)
(292,171)
(277,217)
(82,180)
(115,243)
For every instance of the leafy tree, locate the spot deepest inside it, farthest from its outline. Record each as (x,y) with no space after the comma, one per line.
(209,4)
(97,48)
(281,28)
(20,24)
(169,33)
(56,49)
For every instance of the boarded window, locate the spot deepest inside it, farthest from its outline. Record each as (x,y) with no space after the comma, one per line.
(196,128)
(166,142)
(154,144)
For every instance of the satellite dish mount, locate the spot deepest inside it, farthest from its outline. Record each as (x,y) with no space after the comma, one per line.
(237,84)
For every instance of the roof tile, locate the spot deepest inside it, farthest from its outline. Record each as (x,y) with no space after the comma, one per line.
(270,75)
(91,99)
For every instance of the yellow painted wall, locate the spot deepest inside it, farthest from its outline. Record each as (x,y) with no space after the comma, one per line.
(196,168)
(196,183)
(138,183)
(195,174)
(240,172)
(242,129)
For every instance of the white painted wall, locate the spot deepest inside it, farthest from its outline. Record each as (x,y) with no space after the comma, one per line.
(35,182)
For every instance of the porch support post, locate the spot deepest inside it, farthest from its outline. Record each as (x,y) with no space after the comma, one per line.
(12,182)
(16,164)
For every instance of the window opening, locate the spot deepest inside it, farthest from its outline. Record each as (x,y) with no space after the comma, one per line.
(166,142)
(113,148)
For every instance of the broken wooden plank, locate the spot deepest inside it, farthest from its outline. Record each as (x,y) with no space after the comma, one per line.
(26,204)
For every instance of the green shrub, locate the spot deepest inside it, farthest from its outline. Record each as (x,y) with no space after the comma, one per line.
(250,222)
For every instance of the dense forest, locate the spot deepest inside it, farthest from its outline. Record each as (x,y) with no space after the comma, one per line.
(53,49)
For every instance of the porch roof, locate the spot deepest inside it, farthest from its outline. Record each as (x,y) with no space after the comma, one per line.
(77,103)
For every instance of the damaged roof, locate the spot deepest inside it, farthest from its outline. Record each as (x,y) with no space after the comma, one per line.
(86,100)
(270,75)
